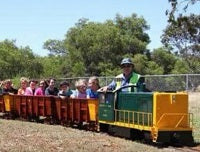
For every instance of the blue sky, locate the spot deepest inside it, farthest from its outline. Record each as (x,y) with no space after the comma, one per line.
(32,22)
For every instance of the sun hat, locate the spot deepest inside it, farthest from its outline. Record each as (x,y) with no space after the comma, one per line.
(126,61)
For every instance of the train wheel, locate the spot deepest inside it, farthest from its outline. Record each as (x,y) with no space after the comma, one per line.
(104,127)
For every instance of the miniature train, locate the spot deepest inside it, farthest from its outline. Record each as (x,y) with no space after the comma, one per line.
(155,116)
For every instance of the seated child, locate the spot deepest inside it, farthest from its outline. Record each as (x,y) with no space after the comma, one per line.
(65,90)
(80,91)
(40,91)
(23,85)
(31,89)
(93,86)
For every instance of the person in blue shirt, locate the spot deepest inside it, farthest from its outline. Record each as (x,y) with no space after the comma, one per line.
(127,77)
(93,86)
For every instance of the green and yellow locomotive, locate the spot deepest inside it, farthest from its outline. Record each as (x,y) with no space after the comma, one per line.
(156,116)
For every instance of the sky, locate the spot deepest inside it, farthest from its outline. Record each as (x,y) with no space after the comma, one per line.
(32,22)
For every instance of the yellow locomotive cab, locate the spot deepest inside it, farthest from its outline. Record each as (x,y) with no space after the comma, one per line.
(170,111)
(171,117)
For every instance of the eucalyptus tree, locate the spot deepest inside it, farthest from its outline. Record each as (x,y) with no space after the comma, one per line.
(18,61)
(97,48)
(183,32)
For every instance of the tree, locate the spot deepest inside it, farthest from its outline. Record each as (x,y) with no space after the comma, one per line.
(180,67)
(164,58)
(183,36)
(55,47)
(144,66)
(52,66)
(96,46)
(177,6)
(16,61)
(182,33)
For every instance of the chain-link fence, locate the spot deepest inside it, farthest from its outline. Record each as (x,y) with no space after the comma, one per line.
(179,82)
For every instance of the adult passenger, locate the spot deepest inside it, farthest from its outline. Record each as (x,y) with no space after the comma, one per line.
(8,87)
(93,86)
(51,89)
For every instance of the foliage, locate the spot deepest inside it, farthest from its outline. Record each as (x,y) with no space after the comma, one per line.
(184,37)
(177,6)
(144,66)
(180,67)
(55,47)
(154,68)
(52,65)
(92,48)
(164,58)
(182,33)
(16,61)
(99,47)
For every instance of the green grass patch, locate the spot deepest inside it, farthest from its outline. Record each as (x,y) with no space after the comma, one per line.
(196,128)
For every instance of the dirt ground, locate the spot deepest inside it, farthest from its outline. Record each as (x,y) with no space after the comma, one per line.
(28,136)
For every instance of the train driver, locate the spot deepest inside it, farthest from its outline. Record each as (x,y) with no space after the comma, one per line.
(127,77)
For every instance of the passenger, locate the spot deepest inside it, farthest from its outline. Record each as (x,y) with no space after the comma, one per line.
(93,86)
(126,78)
(23,86)
(80,91)
(51,89)
(32,87)
(40,91)
(8,87)
(65,90)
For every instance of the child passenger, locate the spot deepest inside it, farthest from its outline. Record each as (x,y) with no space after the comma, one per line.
(30,91)
(80,91)
(65,90)
(93,86)
(40,91)
(23,86)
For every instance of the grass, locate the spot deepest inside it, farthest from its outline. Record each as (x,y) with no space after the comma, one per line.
(194,108)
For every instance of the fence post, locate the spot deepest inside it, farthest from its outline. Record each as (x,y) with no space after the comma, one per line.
(186,87)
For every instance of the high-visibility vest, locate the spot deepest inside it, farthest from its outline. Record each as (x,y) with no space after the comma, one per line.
(133,80)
